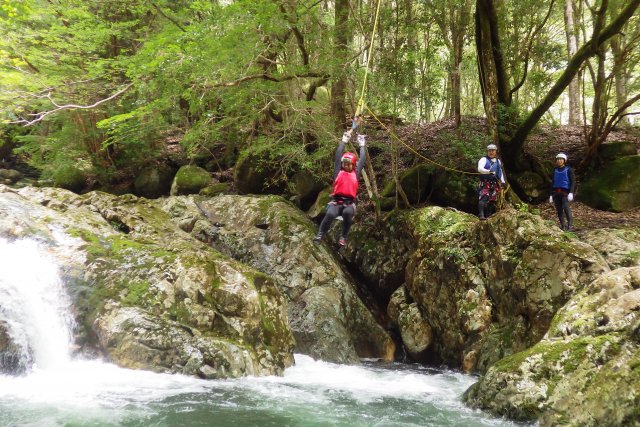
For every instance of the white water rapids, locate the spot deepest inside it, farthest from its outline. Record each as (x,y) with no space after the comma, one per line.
(58,390)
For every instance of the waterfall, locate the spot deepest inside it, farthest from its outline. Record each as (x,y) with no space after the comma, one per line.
(34,309)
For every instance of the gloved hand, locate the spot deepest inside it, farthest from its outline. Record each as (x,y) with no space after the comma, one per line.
(346,136)
(550,199)
(570,197)
(361,140)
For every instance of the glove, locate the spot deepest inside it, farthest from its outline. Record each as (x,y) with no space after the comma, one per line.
(346,137)
(570,197)
(550,199)
(361,140)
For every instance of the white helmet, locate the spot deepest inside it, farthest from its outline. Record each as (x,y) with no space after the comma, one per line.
(492,147)
(561,156)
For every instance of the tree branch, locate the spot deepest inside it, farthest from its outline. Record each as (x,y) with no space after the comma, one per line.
(529,47)
(41,115)
(585,52)
(265,76)
(176,23)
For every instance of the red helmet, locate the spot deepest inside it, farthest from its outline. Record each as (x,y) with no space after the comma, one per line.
(349,157)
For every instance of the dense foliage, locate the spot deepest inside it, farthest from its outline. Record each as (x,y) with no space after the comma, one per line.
(107,87)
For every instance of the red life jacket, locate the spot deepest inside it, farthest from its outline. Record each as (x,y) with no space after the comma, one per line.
(346,184)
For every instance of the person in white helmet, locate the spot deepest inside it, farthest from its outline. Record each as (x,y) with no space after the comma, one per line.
(562,188)
(491,181)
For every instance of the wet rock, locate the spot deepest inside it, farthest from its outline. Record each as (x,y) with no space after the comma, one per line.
(274,237)
(584,371)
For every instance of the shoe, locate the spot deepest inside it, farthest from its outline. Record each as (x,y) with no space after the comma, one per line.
(318,239)
(482,218)
(342,241)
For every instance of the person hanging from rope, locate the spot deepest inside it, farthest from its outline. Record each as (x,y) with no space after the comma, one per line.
(492,180)
(562,188)
(347,168)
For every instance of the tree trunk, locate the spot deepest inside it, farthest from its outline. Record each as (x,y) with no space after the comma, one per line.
(572,48)
(620,74)
(490,66)
(586,51)
(341,41)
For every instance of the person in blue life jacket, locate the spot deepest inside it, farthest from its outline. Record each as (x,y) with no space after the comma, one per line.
(492,180)
(563,186)
(347,168)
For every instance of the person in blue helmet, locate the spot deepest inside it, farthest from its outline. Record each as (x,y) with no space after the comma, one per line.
(492,180)
(562,188)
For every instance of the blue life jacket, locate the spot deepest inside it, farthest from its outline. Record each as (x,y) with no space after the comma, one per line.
(495,167)
(561,178)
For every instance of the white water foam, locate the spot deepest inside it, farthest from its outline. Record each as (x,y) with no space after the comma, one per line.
(33,304)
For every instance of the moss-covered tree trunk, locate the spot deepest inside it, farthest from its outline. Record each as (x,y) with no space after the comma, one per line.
(341,42)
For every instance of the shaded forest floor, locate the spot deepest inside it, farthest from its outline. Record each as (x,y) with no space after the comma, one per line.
(461,148)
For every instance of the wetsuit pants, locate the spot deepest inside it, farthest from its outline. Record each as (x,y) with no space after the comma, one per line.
(346,210)
(561,202)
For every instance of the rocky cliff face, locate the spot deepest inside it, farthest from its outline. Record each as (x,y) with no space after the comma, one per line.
(149,295)
(586,370)
(328,319)
(484,290)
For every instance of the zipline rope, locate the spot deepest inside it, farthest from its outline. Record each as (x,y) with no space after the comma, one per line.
(361,105)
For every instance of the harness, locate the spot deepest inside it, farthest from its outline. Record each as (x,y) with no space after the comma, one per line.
(342,200)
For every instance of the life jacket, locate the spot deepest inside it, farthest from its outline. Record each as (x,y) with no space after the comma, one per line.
(561,178)
(496,167)
(345,184)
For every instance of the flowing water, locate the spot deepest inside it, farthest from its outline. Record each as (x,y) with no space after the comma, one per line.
(58,390)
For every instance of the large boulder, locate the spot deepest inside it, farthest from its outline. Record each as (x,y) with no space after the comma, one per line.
(253,174)
(190,179)
(614,150)
(615,186)
(149,295)
(619,247)
(153,181)
(70,178)
(585,370)
(306,188)
(490,288)
(415,182)
(456,190)
(328,319)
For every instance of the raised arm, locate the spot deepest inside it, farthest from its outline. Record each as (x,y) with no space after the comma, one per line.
(337,160)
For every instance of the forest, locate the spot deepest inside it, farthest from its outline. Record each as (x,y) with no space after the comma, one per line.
(94,90)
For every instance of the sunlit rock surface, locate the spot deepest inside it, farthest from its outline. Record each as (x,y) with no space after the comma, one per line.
(586,370)
(148,294)
(327,317)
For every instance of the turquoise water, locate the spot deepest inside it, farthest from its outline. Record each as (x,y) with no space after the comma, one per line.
(62,391)
(312,393)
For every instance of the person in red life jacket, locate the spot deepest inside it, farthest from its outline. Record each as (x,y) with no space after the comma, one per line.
(491,181)
(562,188)
(347,168)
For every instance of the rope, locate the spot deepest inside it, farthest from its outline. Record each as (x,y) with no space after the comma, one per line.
(360,105)
(413,150)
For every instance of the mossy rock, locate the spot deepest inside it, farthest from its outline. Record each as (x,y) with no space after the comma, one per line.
(453,189)
(615,186)
(153,182)
(215,189)
(416,183)
(306,186)
(319,207)
(532,186)
(253,175)
(190,180)
(614,150)
(70,178)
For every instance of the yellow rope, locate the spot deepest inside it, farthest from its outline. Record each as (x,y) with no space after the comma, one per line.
(413,150)
(369,60)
